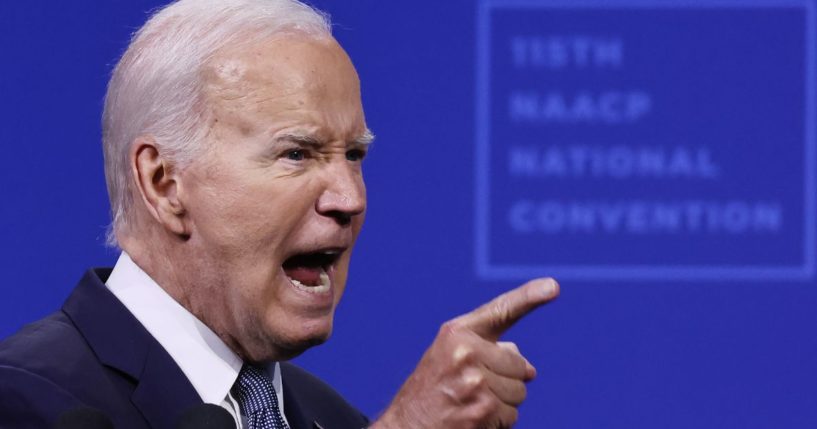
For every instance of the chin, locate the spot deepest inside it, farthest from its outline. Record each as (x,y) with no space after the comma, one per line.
(293,350)
(310,334)
(275,345)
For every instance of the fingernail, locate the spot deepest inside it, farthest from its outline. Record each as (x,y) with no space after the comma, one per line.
(550,288)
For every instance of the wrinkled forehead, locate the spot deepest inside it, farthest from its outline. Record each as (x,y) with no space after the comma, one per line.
(281,74)
(283,64)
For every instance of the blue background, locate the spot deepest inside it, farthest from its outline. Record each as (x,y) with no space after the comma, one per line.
(610,354)
(737,87)
(730,80)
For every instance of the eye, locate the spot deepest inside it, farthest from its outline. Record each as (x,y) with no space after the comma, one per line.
(295,155)
(355,155)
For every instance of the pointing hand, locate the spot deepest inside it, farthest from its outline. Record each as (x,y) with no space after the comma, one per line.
(468,378)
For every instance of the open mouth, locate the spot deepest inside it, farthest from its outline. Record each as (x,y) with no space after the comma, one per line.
(310,271)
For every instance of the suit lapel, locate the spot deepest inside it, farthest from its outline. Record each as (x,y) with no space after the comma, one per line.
(162,391)
(296,402)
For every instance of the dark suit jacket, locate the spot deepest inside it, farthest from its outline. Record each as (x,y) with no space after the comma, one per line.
(94,353)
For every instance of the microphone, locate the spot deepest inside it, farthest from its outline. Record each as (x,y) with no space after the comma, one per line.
(83,418)
(206,416)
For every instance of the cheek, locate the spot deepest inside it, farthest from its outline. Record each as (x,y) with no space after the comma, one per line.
(342,273)
(227,220)
(244,215)
(215,204)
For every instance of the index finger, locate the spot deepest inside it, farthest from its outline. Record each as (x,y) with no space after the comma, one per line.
(492,319)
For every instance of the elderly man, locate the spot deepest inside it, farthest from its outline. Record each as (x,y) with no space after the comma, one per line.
(234,135)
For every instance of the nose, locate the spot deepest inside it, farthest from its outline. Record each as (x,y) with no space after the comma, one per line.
(344,196)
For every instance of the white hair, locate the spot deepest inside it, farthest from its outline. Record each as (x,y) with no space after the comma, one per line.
(157,87)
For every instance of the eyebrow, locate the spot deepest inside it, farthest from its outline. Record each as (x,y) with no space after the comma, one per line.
(365,139)
(301,139)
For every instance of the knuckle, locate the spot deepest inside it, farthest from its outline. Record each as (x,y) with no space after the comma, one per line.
(473,382)
(450,328)
(463,355)
(501,312)
(491,408)
(488,409)
(510,347)
(481,412)
(472,418)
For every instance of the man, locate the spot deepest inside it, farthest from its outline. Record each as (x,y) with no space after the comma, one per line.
(234,135)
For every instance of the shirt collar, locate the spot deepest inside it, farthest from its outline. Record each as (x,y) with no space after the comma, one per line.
(208,363)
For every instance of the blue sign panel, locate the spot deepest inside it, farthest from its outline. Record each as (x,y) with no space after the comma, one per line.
(606,153)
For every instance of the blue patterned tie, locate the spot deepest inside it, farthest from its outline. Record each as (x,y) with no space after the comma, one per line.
(257,398)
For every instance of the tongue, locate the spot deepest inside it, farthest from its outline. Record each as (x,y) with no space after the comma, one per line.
(308,276)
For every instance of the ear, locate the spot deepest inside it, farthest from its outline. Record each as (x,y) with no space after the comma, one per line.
(158,185)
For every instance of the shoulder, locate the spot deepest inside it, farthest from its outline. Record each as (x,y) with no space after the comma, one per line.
(312,396)
(45,347)
(35,367)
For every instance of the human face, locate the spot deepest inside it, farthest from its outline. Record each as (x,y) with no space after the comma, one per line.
(277,201)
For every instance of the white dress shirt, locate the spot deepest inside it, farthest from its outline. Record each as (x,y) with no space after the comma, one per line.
(208,363)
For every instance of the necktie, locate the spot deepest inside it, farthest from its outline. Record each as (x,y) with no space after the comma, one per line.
(257,399)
